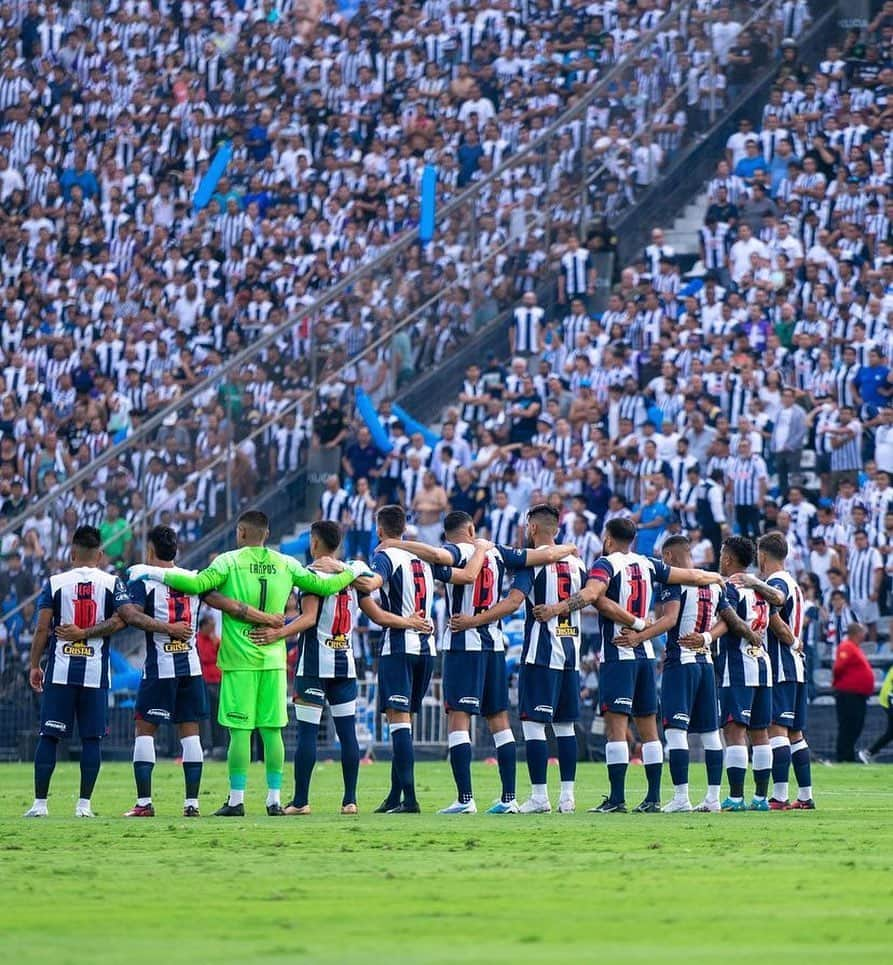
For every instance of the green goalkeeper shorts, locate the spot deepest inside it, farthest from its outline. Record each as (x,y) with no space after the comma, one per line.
(253,698)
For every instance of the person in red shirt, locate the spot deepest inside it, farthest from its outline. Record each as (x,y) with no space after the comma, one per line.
(853,681)
(208,643)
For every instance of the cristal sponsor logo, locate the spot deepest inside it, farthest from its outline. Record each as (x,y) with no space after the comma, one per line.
(55,725)
(473,701)
(543,708)
(158,712)
(399,699)
(624,701)
(177,646)
(234,715)
(339,642)
(683,717)
(78,650)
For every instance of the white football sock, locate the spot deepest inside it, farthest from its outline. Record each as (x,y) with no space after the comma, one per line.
(236,798)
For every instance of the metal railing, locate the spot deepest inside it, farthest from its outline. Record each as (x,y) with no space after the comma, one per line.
(398,275)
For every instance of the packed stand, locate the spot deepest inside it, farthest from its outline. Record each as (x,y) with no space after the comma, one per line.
(752,395)
(119,296)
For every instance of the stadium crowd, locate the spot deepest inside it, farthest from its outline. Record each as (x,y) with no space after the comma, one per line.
(119,296)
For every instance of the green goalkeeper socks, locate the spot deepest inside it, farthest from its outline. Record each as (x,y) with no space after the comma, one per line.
(237,760)
(274,756)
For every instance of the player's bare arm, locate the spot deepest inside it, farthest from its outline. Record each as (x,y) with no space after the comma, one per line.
(667,615)
(587,596)
(690,577)
(772,595)
(469,573)
(782,631)
(699,641)
(543,555)
(435,555)
(418,621)
(242,611)
(265,635)
(505,608)
(38,646)
(617,614)
(738,627)
(129,614)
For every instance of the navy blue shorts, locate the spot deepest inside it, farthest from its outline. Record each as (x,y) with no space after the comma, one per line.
(172,700)
(688,697)
(403,680)
(789,703)
(548,696)
(62,704)
(321,690)
(628,687)
(750,706)
(475,682)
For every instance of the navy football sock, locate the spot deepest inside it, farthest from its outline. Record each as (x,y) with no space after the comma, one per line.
(404,760)
(537,761)
(713,762)
(91,760)
(346,728)
(507,757)
(567,758)
(460,763)
(305,761)
(44,765)
(679,761)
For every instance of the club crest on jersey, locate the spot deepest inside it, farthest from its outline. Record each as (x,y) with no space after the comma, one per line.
(177,646)
(78,650)
(338,642)
(753,651)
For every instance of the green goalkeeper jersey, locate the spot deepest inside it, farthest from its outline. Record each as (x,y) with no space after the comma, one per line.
(261,578)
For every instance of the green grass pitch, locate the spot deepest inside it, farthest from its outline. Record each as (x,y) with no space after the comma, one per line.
(798,887)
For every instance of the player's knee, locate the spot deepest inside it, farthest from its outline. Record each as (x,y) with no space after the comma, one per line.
(498,722)
(677,740)
(146,729)
(647,728)
(458,720)
(308,714)
(759,737)
(533,730)
(735,733)
(563,730)
(347,709)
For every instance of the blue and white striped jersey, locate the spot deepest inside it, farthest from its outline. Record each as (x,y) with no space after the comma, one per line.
(787,665)
(326,649)
(739,663)
(408,588)
(479,596)
(83,596)
(631,580)
(863,566)
(699,607)
(745,475)
(166,658)
(556,643)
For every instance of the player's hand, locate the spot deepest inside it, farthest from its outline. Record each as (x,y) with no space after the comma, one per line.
(262,636)
(483,544)
(180,630)
(35,678)
(143,572)
(365,584)
(273,620)
(692,641)
(329,565)
(544,612)
(70,632)
(460,622)
(797,646)
(746,580)
(628,638)
(420,623)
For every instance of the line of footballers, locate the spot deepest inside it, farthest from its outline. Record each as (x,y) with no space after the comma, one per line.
(733,661)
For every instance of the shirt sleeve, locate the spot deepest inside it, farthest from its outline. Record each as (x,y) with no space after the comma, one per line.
(514,559)
(523,581)
(602,570)
(120,596)
(660,569)
(667,593)
(381,564)
(45,600)
(442,573)
(456,554)
(199,583)
(778,584)
(732,595)
(723,602)
(136,590)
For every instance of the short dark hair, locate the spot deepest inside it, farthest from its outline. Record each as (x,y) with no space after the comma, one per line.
(622,529)
(86,538)
(677,540)
(255,519)
(327,532)
(456,520)
(741,548)
(773,544)
(391,520)
(164,540)
(543,514)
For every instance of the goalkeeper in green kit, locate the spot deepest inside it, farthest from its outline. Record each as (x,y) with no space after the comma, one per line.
(253,687)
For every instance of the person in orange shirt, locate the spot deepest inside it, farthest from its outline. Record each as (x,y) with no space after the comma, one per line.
(853,681)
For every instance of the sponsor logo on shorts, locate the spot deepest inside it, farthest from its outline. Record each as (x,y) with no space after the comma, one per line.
(398,699)
(177,646)
(77,650)
(623,701)
(787,715)
(235,715)
(54,725)
(543,709)
(314,692)
(745,714)
(473,701)
(158,712)
(683,717)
